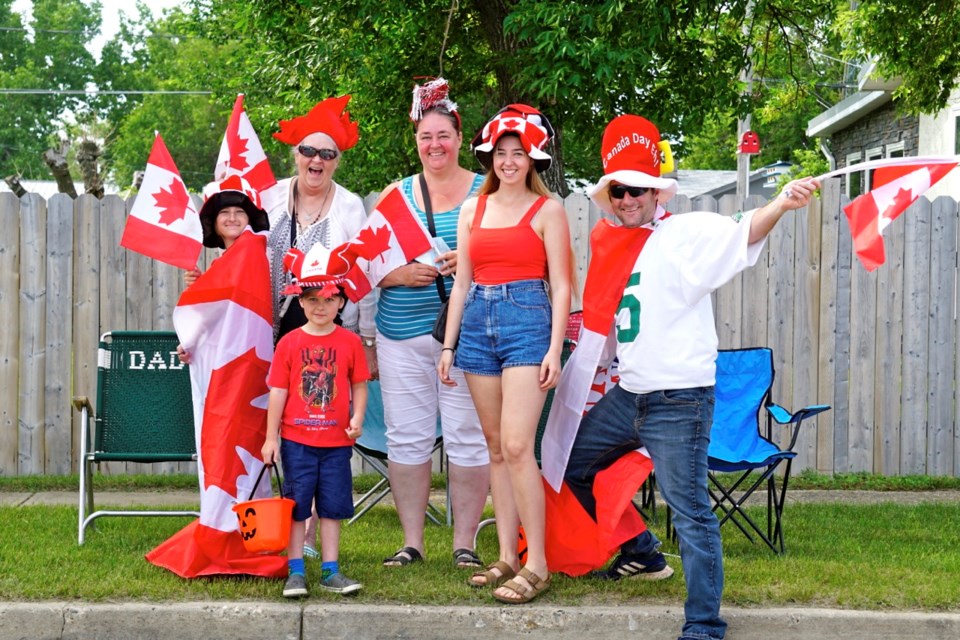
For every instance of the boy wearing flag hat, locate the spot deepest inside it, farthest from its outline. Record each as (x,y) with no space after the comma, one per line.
(319,372)
(663,327)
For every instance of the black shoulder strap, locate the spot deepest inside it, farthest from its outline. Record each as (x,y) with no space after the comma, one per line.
(428,209)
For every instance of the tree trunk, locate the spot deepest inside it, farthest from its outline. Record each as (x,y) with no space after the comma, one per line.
(13,182)
(57,162)
(87,157)
(492,15)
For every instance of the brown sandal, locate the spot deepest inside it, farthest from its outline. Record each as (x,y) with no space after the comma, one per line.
(525,594)
(494,576)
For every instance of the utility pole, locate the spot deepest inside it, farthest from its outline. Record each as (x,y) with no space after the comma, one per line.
(743,125)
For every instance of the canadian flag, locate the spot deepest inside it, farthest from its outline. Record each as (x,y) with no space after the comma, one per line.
(894,189)
(224,321)
(241,153)
(163,223)
(585,378)
(392,236)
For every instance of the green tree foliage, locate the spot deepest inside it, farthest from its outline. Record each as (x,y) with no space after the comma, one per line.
(917,42)
(53,58)
(796,73)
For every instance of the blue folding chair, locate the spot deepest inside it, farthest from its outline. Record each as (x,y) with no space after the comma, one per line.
(371,446)
(737,446)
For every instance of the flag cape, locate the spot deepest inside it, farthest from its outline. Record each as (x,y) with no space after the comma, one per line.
(577,543)
(163,223)
(392,236)
(224,321)
(241,153)
(614,252)
(894,189)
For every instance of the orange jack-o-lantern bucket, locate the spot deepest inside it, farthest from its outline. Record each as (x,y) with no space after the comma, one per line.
(265,523)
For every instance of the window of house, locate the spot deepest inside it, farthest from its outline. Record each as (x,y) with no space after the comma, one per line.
(895,150)
(872,154)
(854,179)
(956,133)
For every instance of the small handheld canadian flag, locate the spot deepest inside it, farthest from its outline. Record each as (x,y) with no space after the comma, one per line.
(241,153)
(894,189)
(163,223)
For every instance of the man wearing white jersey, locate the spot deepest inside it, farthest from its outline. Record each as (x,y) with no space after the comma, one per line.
(666,344)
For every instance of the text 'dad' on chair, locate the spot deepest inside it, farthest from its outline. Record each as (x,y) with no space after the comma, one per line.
(143,413)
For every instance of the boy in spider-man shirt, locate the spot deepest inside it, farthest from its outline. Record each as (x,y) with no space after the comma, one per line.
(317,370)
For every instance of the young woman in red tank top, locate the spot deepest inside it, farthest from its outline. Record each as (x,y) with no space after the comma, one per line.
(511,240)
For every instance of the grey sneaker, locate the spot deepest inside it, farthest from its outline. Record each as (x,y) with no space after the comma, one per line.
(649,567)
(295,586)
(339,583)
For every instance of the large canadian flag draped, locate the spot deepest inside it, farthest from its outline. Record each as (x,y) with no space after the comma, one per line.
(894,189)
(163,223)
(241,153)
(224,321)
(587,543)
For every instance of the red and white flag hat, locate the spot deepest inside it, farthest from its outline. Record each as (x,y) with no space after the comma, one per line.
(241,153)
(163,223)
(531,126)
(630,152)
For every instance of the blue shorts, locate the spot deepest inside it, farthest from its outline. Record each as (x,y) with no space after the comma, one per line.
(504,325)
(320,474)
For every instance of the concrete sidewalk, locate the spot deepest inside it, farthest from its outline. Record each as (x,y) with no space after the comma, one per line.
(357,620)
(360,621)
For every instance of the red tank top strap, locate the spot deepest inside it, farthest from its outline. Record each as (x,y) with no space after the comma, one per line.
(532,211)
(478,214)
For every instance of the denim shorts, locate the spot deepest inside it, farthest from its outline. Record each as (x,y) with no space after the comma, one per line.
(504,325)
(320,474)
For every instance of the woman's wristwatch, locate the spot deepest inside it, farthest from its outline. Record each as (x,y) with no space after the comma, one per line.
(369,342)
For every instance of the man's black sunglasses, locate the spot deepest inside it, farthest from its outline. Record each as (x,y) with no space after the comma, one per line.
(619,190)
(325,154)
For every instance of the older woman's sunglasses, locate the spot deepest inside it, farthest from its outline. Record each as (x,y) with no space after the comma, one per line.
(619,190)
(325,154)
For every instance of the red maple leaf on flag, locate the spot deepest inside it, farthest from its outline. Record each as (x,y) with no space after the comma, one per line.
(238,147)
(173,203)
(901,201)
(372,242)
(230,420)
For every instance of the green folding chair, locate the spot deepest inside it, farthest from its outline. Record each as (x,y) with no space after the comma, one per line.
(144,413)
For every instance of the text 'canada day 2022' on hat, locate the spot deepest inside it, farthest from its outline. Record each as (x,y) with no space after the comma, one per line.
(631,155)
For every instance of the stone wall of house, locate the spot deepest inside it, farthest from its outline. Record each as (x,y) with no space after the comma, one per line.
(880,129)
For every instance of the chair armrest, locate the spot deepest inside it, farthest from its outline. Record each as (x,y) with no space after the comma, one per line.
(782,416)
(82,402)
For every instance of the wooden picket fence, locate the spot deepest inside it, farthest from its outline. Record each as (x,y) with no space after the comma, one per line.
(881,348)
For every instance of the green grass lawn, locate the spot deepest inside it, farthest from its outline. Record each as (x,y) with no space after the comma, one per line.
(866,557)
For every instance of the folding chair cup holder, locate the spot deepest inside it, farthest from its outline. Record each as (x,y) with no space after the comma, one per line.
(143,413)
(265,522)
(740,446)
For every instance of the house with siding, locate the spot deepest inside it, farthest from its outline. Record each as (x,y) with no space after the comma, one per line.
(867,125)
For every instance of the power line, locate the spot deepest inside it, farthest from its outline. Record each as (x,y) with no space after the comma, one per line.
(170,36)
(84,92)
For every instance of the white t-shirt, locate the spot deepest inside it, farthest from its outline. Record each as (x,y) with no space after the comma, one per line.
(665,330)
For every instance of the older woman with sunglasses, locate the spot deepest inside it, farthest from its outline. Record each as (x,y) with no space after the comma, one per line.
(310,207)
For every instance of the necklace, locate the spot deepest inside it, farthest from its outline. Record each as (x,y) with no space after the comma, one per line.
(312,217)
